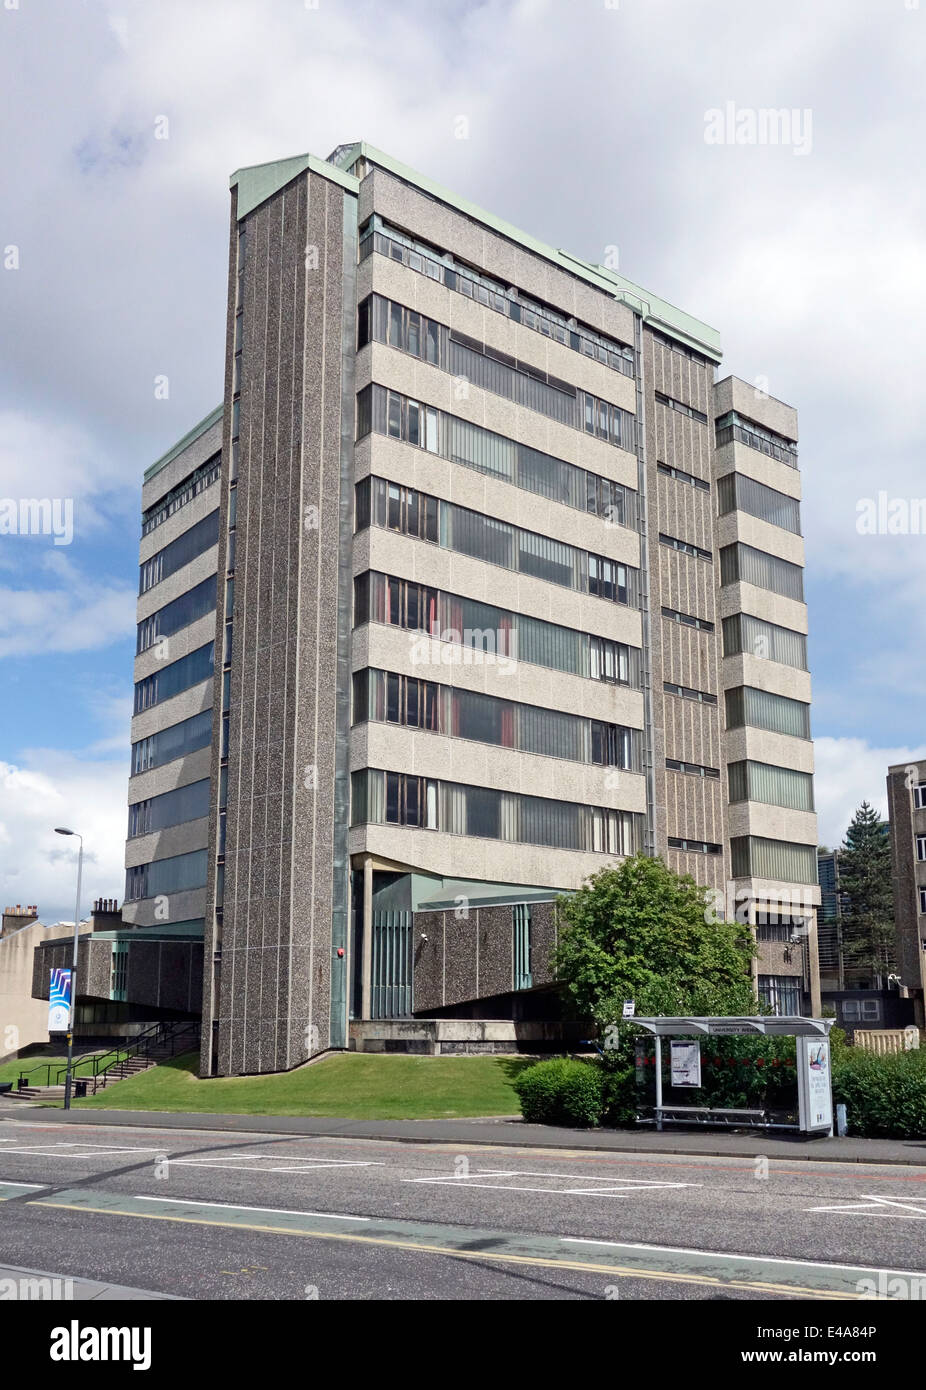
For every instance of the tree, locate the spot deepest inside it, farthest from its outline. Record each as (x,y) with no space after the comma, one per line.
(641,932)
(868,896)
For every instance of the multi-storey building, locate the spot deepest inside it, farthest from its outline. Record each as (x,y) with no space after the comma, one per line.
(476,582)
(906,799)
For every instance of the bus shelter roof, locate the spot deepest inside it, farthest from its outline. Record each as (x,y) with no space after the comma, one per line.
(773,1025)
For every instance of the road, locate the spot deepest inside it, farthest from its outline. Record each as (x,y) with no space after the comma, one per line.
(206,1215)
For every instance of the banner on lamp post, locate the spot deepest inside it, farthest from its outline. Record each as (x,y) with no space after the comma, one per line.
(59,1001)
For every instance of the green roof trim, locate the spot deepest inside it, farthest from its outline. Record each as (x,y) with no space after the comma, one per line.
(211,419)
(192,930)
(657,312)
(258,182)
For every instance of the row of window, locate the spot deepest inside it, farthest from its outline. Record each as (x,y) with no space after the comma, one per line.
(394,415)
(732,427)
(754,856)
(174,678)
(197,482)
(694,846)
(399,798)
(493,295)
(466,532)
(164,876)
(775,786)
(693,769)
(781,994)
(685,692)
(743,563)
(687,620)
(175,807)
(386,697)
(685,547)
(681,348)
(482,627)
(748,707)
(178,614)
(744,633)
(682,409)
(736,492)
(174,742)
(196,541)
(384,321)
(681,476)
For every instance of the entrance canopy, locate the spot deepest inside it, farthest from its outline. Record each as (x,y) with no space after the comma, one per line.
(773,1025)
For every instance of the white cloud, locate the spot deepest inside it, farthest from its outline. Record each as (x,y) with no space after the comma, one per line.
(51,788)
(848,772)
(79,614)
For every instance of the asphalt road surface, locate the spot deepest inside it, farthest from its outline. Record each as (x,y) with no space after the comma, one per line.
(202,1215)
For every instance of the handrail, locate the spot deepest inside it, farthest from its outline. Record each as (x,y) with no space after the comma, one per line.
(161,1037)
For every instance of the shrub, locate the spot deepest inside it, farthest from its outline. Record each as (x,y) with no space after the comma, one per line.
(885,1097)
(561,1091)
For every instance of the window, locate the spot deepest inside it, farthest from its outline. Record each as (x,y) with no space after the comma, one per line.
(919,796)
(767,641)
(756,857)
(184,492)
(922,892)
(687,620)
(775,786)
(774,931)
(781,994)
(694,846)
(174,742)
(521,934)
(748,707)
(686,693)
(681,407)
(171,808)
(467,532)
(174,875)
(686,547)
(670,471)
(693,769)
(732,427)
(196,541)
(743,563)
(389,241)
(178,676)
(921,846)
(736,492)
(175,616)
(390,798)
(855,1011)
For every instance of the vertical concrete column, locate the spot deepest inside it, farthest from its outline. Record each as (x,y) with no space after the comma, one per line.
(367,988)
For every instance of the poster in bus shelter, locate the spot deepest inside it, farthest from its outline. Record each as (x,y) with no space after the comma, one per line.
(686,1063)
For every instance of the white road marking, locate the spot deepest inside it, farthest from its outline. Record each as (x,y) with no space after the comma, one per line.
(273,1211)
(7,1182)
(270,1163)
(872,1205)
(726,1255)
(611,1187)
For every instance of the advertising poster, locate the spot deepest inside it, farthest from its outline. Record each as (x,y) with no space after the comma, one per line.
(815,1083)
(686,1063)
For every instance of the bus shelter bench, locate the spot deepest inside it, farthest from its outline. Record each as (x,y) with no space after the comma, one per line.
(708,1115)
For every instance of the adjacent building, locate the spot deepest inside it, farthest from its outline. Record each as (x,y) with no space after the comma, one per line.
(906,799)
(475,582)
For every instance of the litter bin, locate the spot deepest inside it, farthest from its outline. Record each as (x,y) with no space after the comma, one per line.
(80,1090)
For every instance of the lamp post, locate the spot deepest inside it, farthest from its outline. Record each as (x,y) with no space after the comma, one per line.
(80,865)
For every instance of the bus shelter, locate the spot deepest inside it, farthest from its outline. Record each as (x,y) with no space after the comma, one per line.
(812,1061)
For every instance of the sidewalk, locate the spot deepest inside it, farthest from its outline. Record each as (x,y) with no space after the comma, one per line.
(35,1286)
(502,1131)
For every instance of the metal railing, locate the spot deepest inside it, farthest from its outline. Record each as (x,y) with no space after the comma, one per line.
(156,1044)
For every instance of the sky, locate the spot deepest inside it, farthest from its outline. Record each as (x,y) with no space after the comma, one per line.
(590,123)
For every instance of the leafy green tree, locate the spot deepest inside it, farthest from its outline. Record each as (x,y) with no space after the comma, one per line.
(641,932)
(868,902)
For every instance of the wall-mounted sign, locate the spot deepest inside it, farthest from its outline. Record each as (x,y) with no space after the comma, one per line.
(686,1063)
(59,1001)
(629,1008)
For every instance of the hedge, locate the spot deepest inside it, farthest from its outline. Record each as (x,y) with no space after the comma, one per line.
(561,1091)
(885,1097)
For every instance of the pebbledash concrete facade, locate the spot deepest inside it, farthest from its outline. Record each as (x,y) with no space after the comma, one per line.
(476,583)
(906,799)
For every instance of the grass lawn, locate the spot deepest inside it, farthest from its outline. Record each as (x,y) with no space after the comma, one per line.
(355,1086)
(11,1071)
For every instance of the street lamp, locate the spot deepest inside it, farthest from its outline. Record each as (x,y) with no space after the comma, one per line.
(80,865)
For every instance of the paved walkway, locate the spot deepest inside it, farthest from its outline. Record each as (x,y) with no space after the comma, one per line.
(35,1286)
(507,1131)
